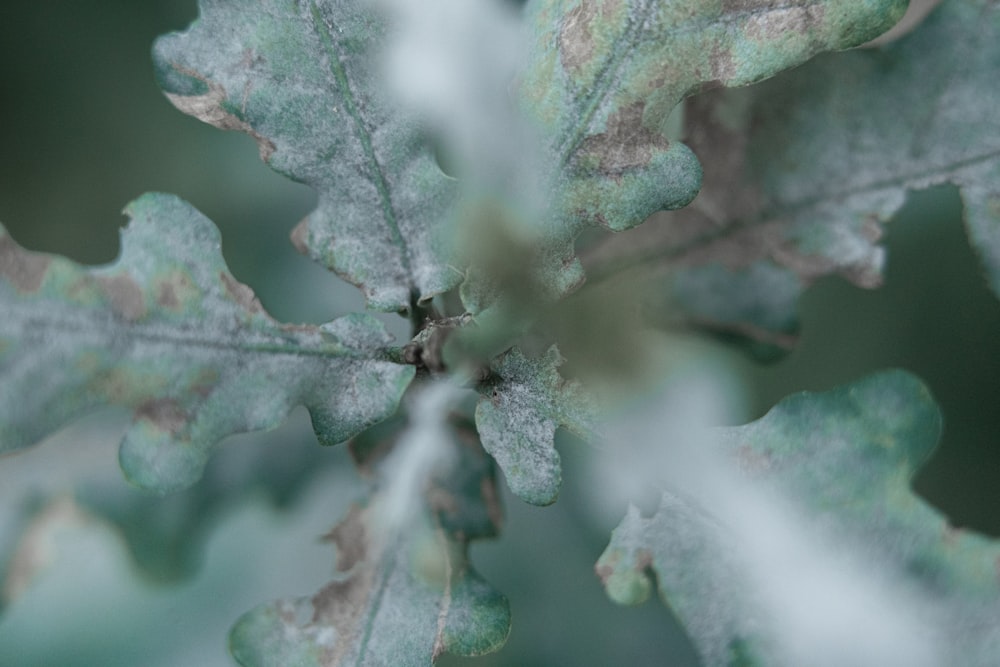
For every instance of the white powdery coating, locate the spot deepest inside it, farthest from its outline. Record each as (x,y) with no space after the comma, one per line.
(828,609)
(822,606)
(454,62)
(639,456)
(423,450)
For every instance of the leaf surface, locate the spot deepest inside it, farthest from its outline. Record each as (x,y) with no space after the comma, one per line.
(169,333)
(75,475)
(846,459)
(604,76)
(522,405)
(802,171)
(401,597)
(298,77)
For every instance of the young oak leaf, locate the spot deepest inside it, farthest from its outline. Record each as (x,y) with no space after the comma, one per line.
(522,404)
(297,76)
(603,77)
(803,170)
(169,333)
(403,597)
(166,536)
(846,459)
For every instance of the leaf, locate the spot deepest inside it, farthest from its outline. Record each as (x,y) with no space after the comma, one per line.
(169,333)
(604,76)
(401,598)
(522,405)
(297,76)
(846,459)
(166,535)
(803,170)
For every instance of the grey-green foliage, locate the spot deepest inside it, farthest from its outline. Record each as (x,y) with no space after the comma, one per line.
(802,171)
(843,460)
(403,595)
(914,113)
(602,78)
(298,77)
(169,333)
(517,416)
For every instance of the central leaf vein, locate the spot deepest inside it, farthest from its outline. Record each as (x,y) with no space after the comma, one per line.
(364,138)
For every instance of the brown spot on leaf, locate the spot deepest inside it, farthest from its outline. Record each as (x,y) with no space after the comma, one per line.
(341,604)
(127,299)
(771,21)
(576,42)
(952,534)
(714,128)
(24,270)
(166,414)
(166,296)
(351,539)
(241,293)
(751,461)
(442,502)
(871,229)
(488,492)
(208,108)
(300,236)
(749,7)
(643,560)
(746,330)
(604,572)
(35,549)
(625,145)
(174,290)
(723,68)
(205,382)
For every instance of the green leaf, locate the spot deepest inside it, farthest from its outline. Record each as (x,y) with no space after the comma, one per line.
(298,77)
(523,403)
(169,333)
(802,171)
(166,535)
(75,474)
(402,597)
(604,76)
(846,459)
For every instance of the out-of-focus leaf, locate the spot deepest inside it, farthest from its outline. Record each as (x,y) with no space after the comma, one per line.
(845,458)
(523,403)
(165,535)
(298,77)
(604,76)
(168,332)
(402,597)
(801,172)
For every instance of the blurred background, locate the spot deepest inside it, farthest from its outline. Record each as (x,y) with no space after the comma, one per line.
(84,130)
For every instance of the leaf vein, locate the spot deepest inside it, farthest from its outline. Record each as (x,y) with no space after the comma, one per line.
(378,176)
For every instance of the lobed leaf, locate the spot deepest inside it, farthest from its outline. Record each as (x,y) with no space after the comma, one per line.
(521,406)
(298,77)
(802,171)
(604,76)
(166,536)
(846,459)
(169,333)
(73,477)
(400,598)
